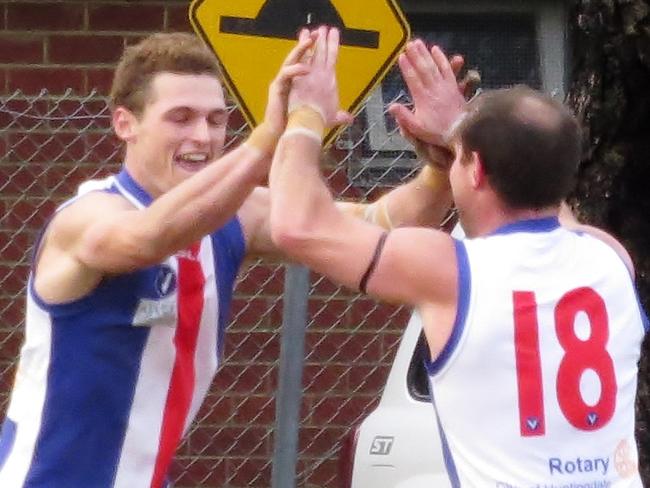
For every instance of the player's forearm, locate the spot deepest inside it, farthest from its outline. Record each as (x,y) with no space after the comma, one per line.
(180,217)
(423,201)
(300,200)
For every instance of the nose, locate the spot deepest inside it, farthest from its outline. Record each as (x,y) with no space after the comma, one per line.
(201,131)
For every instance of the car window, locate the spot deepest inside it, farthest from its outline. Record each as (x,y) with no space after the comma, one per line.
(416,378)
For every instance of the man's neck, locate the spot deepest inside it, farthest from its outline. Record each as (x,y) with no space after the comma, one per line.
(500,216)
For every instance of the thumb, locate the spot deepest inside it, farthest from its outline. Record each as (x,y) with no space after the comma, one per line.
(343,118)
(404,118)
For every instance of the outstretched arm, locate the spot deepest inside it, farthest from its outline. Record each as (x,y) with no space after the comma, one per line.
(308,225)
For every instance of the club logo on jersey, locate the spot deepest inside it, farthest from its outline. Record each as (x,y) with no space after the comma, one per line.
(162,310)
(165,282)
(533,423)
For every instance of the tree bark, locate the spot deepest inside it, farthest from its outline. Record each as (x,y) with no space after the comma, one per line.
(610,92)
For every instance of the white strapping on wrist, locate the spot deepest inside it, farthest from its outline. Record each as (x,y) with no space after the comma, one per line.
(303,131)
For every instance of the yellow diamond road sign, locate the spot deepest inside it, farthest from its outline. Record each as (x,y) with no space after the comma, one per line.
(252,37)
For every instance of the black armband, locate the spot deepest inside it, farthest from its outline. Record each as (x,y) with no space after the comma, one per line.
(373,262)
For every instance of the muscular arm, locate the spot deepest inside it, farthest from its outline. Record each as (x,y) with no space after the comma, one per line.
(416,267)
(103,234)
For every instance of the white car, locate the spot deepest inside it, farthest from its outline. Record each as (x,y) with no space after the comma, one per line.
(398,444)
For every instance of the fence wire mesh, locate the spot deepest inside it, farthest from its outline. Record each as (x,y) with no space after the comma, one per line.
(50,144)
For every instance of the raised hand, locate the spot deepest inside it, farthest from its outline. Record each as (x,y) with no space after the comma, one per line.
(438,98)
(275,116)
(318,87)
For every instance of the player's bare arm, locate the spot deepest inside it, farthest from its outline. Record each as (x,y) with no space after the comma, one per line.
(102,234)
(309,226)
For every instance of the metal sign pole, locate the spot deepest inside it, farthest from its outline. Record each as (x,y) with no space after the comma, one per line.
(289,394)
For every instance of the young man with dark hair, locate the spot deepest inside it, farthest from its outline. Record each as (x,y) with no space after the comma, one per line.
(534,329)
(132,278)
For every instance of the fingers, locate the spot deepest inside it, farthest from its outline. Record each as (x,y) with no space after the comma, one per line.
(305,42)
(457,62)
(410,75)
(442,63)
(343,118)
(332,48)
(289,72)
(405,119)
(320,49)
(421,60)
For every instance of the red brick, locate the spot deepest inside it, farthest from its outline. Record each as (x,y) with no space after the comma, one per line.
(55,80)
(368,380)
(104,149)
(3,82)
(324,474)
(13,280)
(10,343)
(178,18)
(235,378)
(7,375)
(15,178)
(255,410)
(82,115)
(231,441)
(342,347)
(130,17)
(100,80)
(216,409)
(254,473)
(317,441)
(21,48)
(327,314)
(329,378)
(45,16)
(251,313)
(199,471)
(261,279)
(344,411)
(12,314)
(371,315)
(28,213)
(18,114)
(47,148)
(323,287)
(15,246)
(75,49)
(390,341)
(258,347)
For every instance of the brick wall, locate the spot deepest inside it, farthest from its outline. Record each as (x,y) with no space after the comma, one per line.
(56,46)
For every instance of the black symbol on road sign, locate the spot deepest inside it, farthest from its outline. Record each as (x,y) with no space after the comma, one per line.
(283,19)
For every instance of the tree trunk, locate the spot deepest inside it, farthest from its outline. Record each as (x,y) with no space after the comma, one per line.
(610,92)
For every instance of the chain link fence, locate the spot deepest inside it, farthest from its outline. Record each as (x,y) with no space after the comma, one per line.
(49,144)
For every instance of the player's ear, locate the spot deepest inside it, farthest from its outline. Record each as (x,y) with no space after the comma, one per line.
(478,170)
(124,123)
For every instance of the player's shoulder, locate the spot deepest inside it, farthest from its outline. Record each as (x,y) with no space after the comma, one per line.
(75,215)
(606,242)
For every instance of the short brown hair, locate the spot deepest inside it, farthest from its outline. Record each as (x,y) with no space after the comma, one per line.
(175,52)
(529,144)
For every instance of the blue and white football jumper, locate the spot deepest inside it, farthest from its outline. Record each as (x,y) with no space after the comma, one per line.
(107,385)
(536,386)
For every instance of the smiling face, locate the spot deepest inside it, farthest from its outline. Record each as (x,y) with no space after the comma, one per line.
(181,129)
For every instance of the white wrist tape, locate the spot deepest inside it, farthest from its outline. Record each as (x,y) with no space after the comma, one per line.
(303,131)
